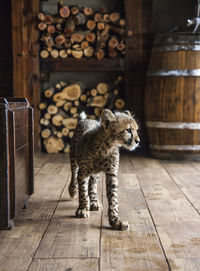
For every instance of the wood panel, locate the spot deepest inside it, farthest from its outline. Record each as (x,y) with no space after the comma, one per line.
(26,55)
(5,50)
(139,248)
(138,48)
(71,237)
(176,221)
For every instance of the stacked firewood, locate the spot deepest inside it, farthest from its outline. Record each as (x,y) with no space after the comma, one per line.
(81,32)
(61,105)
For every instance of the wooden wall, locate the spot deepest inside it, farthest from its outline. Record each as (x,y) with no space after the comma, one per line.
(5,50)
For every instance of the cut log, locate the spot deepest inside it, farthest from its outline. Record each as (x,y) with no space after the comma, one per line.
(60,39)
(70,123)
(42,106)
(59,27)
(116,92)
(102,88)
(77,37)
(98,101)
(91,24)
(106,18)
(112,53)
(67,106)
(63,83)
(114,17)
(47,116)
(48,40)
(53,144)
(44,54)
(113,42)
(54,53)
(71,134)
(77,54)
(93,92)
(45,133)
(60,96)
(88,11)
(100,54)
(72,92)
(51,29)
(84,44)
(59,134)
(119,104)
(80,19)
(122,22)
(65,131)
(52,109)
(76,103)
(69,51)
(98,17)
(121,46)
(60,103)
(73,110)
(42,26)
(41,16)
(63,11)
(74,10)
(67,44)
(44,122)
(83,97)
(76,47)
(48,19)
(63,53)
(70,26)
(48,93)
(100,26)
(90,37)
(57,120)
(89,52)
(118,30)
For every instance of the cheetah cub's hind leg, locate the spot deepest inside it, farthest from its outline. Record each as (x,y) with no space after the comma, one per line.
(95,205)
(73,187)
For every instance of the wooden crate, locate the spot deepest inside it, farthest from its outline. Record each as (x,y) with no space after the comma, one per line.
(16,158)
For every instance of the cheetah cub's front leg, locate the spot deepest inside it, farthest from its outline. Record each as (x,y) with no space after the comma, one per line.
(112,189)
(84,201)
(95,205)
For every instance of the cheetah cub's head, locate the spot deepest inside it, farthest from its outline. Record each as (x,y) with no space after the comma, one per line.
(122,128)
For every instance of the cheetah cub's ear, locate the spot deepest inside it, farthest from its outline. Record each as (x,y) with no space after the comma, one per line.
(127,112)
(107,116)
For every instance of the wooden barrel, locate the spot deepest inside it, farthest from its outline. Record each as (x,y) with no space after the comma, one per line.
(172,96)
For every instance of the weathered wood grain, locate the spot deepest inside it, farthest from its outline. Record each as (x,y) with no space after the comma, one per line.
(90,264)
(139,248)
(176,220)
(68,236)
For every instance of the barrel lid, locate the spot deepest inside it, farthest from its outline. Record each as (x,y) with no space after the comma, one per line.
(11,102)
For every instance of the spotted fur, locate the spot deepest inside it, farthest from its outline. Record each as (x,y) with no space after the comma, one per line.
(94,149)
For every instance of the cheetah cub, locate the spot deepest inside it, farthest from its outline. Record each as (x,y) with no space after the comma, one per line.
(95,148)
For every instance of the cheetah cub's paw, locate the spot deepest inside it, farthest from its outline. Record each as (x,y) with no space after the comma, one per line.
(119,225)
(82,213)
(96,206)
(73,191)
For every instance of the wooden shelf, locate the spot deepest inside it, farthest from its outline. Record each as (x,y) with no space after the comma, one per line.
(84,65)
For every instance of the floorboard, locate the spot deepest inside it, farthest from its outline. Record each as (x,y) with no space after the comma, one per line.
(160,199)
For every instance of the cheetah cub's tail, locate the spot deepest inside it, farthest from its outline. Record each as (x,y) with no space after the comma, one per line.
(82,116)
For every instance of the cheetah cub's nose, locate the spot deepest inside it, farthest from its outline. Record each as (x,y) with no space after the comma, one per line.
(137,141)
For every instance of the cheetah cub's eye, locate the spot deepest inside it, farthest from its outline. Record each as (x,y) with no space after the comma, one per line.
(128,130)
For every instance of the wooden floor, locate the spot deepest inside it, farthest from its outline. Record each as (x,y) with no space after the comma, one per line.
(160,199)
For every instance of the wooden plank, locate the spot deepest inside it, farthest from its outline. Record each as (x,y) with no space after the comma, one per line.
(187,178)
(89,264)
(176,221)
(71,64)
(68,236)
(18,246)
(139,248)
